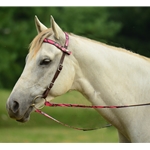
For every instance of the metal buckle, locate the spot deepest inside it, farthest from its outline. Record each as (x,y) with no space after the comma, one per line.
(50,86)
(60,67)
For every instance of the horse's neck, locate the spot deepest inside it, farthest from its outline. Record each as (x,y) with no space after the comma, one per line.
(105,69)
(110,76)
(87,80)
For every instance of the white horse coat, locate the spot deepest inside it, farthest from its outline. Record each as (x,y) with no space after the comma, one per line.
(104,74)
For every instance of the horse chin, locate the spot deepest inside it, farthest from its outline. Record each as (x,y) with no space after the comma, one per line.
(26,116)
(23,120)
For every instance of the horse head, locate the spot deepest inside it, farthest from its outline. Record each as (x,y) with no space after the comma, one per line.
(41,64)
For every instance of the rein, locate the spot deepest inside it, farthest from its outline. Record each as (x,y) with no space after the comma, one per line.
(46,92)
(83,106)
(96,107)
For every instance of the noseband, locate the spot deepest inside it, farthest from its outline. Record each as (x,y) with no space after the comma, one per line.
(60,66)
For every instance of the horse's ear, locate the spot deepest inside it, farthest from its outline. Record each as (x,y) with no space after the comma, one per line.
(56,29)
(39,26)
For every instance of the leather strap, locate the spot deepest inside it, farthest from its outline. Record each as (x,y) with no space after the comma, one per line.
(60,66)
(45,94)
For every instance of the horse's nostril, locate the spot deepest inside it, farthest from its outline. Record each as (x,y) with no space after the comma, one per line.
(15,107)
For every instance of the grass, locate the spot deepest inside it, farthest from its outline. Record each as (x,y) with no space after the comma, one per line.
(56,135)
(42,130)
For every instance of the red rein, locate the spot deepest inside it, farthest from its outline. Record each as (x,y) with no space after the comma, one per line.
(82,106)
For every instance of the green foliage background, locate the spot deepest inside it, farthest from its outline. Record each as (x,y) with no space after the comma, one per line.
(126,27)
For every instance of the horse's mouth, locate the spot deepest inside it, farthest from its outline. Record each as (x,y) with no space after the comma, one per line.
(22,114)
(26,116)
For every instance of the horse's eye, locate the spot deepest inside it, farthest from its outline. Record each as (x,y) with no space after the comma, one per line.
(45,61)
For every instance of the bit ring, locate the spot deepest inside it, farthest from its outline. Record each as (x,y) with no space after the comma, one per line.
(34,104)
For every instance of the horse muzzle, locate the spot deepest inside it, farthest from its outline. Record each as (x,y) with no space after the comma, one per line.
(18,111)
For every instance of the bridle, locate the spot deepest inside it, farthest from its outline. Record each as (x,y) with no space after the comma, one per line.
(59,68)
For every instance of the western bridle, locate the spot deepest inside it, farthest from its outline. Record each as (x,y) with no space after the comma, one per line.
(59,68)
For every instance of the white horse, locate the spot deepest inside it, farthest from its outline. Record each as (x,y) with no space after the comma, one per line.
(104,74)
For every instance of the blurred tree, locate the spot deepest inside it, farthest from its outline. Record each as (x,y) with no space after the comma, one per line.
(124,27)
(134,34)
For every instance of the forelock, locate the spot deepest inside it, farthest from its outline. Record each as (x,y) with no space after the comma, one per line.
(38,40)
